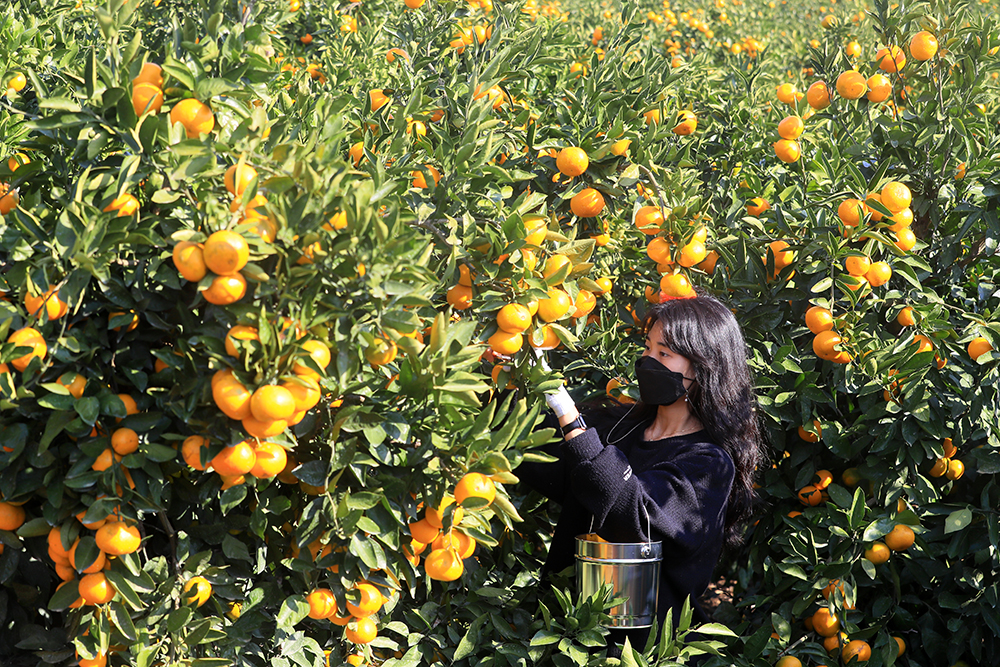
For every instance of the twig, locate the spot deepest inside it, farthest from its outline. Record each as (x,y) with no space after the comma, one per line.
(171,535)
(12,109)
(429,226)
(656,188)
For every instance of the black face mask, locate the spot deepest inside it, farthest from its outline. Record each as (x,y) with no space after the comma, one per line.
(658,385)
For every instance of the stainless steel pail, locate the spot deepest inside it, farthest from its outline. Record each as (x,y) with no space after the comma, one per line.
(632,569)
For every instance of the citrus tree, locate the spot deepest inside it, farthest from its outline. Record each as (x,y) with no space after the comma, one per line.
(272,273)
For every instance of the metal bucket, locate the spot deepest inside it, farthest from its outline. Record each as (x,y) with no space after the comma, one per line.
(632,569)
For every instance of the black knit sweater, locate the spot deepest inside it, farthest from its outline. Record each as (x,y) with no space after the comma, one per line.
(683,484)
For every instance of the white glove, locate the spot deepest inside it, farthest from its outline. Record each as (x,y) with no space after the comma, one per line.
(560,402)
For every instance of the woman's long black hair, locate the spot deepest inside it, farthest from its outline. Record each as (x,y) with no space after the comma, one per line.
(722,398)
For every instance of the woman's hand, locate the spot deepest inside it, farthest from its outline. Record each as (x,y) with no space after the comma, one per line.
(560,402)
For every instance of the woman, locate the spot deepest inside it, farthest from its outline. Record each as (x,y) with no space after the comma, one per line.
(676,467)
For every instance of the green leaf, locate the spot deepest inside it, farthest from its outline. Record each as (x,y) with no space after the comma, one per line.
(957,520)
(293,610)
(120,616)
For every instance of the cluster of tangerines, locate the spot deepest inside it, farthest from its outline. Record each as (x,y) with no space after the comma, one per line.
(225,253)
(448,546)
(360,623)
(147,97)
(948,466)
(673,259)
(826,624)
(10,198)
(895,197)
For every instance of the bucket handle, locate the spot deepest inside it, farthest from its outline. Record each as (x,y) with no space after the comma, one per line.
(647,547)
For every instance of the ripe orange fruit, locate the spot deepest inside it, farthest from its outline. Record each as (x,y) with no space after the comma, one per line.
(239,332)
(905,239)
(30,337)
(788,661)
(818,96)
(810,496)
(890,58)
(879,88)
(189,259)
(878,553)
(692,254)
(191,451)
(226,252)
(361,630)
(979,346)
(955,469)
(418,176)
(231,397)
(757,206)
(677,285)
(117,538)
(896,196)
(787,151)
(851,85)
(377,99)
(196,117)
(588,203)
(812,437)
(923,46)
(923,343)
(422,531)
(553,264)
(322,603)
(850,212)
(819,319)
(900,538)
(197,590)
(319,352)
(459,296)
(687,123)
(225,290)
(11,516)
(857,265)
(53,306)
(585,303)
(381,352)
(790,127)
(124,441)
(855,651)
(125,204)
(879,274)
(506,342)
(146,98)
(272,402)
(444,565)
(96,589)
(649,220)
(901,219)
(8,199)
(514,318)
(238,178)
(824,623)
(369,601)
(899,640)
(269,460)
(572,161)
(555,306)
(151,73)
(786,93)
(906,317)
(824,343)
(234,460)
(475,485)
(74,383)
(256,428)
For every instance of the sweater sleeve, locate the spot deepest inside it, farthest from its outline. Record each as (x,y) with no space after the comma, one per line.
(549,479)
(683,493)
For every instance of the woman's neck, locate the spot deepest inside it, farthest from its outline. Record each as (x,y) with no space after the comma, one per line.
(673,420)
